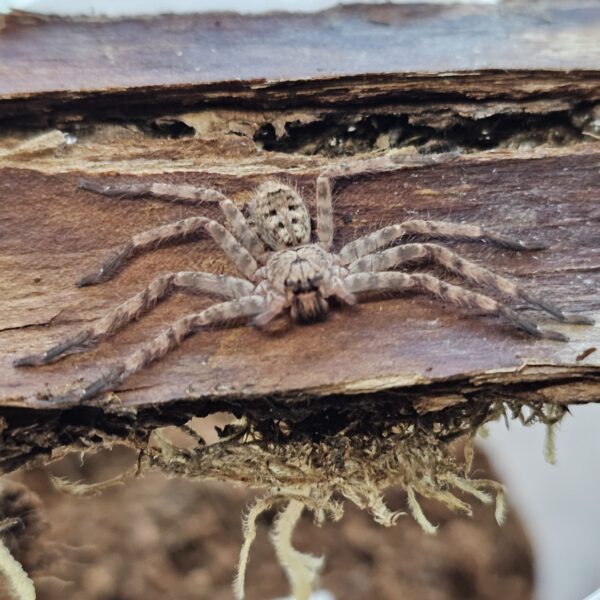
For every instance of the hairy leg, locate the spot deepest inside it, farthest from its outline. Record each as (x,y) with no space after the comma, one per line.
(178,231)
(171,338)
(384,237)
(159,289)
(324,213)
(393,281)
(337,288)
(197,195)
(395,256)
(273,307)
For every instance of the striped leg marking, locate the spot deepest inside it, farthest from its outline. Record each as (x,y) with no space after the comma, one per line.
(393,281)
(160,288)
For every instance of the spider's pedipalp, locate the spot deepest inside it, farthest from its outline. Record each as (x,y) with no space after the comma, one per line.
(274,306)
(387,235)
(337,288)
(394,281)
(171,338)
(188,281)
(397,255)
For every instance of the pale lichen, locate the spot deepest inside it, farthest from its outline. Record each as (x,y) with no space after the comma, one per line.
(315,465)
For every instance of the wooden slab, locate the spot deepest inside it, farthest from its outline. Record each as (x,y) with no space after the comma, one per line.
(350,54)
(110,85)
(53,232)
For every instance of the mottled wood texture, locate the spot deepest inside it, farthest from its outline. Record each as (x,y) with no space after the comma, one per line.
(54,232)
(50,67)
(427,353)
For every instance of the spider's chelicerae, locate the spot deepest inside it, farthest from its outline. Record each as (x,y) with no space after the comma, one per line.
(284,270)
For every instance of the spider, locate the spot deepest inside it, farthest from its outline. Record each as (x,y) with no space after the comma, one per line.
(284,271)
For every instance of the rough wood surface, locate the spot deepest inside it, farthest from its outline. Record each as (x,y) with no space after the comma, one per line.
(407,349)
(352,54)
(54,232)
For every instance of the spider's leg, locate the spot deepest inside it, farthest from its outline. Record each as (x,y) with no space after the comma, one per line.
(397,255)
(240,228)
(337,288)
(384,237)
(165,234)
(324,213)
(159,289)
(171,338)
(274,306)
(394,281)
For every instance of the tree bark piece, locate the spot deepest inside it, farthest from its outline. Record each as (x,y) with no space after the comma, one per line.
(411,350)
(56,232)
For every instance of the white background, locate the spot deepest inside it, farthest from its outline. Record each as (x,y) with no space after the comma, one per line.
(148,7)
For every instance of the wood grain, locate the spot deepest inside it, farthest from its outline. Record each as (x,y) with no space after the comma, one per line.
(54,232)
(403,351)
(346,55)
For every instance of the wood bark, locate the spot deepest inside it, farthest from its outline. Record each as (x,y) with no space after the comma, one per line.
(141,111)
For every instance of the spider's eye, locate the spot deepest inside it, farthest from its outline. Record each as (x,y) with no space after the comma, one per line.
(296,286)
(294,221)
(292,207)
(280,225)
(272,212)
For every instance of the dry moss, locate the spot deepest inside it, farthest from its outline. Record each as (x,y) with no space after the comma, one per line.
(354,457)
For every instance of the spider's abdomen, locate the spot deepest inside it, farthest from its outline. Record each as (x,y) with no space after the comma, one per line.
(280,216)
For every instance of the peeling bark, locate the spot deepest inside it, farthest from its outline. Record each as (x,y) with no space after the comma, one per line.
(407,352)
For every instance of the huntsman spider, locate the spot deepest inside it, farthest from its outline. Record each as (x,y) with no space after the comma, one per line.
(285,271)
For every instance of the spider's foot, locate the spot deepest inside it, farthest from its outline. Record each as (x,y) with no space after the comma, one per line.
(33,360)
(532,327)
(549,334)
(79,340)
(106,383)
(533,245)
(108,269)
(93,186)
(555,311)
(579,320)
(513,244)
(91,279)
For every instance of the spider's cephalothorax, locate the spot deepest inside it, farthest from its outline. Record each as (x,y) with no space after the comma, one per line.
(305,277)
(284,271)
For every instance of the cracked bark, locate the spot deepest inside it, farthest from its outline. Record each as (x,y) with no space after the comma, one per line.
(408,350)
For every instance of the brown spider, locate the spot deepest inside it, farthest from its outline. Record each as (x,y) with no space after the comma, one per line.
(284,270)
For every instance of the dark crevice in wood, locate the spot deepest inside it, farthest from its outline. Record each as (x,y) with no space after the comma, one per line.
(346,133)
(352,93)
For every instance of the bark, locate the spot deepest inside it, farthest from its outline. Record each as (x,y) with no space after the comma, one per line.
(512,146)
